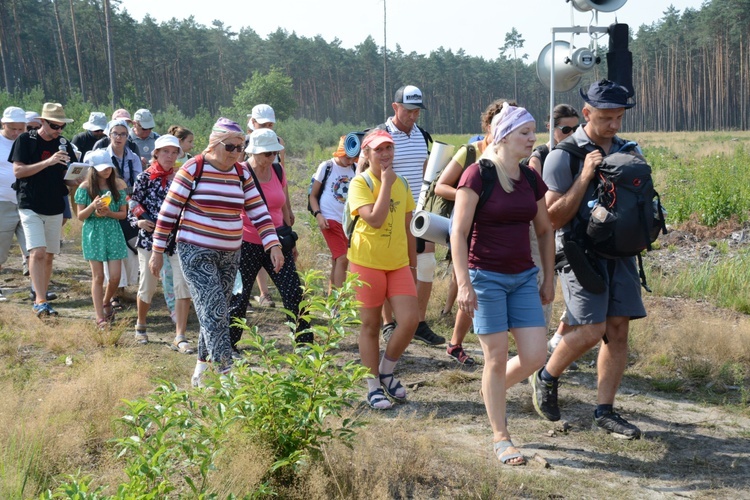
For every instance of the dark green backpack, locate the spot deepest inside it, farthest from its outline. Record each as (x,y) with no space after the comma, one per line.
(437,204)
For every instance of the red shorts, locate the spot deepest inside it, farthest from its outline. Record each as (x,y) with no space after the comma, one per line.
(335,239)
(378,285)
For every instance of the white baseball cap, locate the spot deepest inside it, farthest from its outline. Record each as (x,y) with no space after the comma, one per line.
(167,140)
(145,118)
(99,159)
(14,114)
(263,113)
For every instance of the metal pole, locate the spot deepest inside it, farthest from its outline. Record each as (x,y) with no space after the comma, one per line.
(552,93)
(385,68)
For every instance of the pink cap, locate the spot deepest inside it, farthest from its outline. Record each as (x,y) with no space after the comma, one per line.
(375,139)
(121,114)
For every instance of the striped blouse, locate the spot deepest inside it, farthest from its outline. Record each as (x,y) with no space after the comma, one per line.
(212,216)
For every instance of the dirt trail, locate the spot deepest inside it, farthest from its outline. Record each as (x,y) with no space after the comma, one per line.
(689,450)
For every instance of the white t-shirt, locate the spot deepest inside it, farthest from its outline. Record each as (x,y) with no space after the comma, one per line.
(7,177)
(334,193)
(410,153)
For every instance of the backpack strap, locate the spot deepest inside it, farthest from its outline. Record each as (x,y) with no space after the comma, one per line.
(279,169)
(530,176)
(427,137)
(489,178)
(329,168)
(196,179)
(353,223)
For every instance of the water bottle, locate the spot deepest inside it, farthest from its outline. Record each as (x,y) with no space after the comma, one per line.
(138,211)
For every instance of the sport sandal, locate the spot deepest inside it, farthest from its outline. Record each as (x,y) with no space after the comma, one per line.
(181,344)
(141,335)
(393,387)
(505,452)
(377,400)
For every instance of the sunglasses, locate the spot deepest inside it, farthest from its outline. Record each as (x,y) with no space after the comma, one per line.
(147,129)
(56,127)
(229,148)
(566,129)
(29,128)
(268,154)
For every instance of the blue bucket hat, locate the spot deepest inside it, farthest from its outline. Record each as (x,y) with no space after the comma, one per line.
(606,94)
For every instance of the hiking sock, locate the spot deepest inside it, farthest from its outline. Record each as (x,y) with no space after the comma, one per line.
(200,367)
(387,365)
(373,384)
(545,376)
(556,338)
(602,410)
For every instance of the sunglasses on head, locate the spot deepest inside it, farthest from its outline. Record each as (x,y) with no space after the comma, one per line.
(566,129)
(29,128)
(54,126)
(229,148)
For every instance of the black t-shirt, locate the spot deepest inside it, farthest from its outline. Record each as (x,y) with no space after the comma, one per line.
(84,142)
(42,192)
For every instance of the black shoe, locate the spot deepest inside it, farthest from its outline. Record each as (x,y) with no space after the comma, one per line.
(425,334)
(387,330)
(614,424)
(544,396)
(50,296)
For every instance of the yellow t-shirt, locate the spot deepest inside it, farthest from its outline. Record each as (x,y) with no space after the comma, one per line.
(386,248)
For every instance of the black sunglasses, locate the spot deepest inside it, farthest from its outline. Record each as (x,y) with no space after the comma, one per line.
(229,148)
(56,127)
(566,129)
(30,128)
(268,154)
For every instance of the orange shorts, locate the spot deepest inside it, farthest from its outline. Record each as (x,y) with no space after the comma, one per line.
(379,285)
(335,239)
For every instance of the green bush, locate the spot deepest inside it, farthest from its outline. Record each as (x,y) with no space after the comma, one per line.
(290,402)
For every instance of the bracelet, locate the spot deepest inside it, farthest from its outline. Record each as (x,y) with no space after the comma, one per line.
(315,213)
(413,267)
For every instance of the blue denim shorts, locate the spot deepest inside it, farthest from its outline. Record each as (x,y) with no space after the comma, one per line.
(506,301)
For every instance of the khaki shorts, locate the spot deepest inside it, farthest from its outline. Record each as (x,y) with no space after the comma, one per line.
(147,281)
(41,230)
(10,224)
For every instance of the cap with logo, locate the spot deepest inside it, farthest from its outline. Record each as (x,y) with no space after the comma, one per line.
(410,96)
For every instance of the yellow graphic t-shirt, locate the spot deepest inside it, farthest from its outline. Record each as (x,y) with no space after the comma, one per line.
(385,248)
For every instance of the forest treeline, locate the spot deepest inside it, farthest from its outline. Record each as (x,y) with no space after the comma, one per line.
(691,67)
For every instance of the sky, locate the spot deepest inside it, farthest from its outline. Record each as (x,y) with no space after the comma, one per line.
(416,25)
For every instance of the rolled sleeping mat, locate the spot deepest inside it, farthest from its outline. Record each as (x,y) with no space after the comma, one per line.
(431,227)
(353,143)
(440,155)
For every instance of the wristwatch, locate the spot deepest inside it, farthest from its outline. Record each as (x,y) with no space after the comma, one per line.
(315,213)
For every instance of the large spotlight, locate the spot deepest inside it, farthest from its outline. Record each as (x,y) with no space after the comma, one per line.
(600,5)
(569,65)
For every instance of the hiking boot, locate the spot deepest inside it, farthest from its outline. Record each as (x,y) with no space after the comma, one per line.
(425,334)
(617,426)
(457,352)
(387,330)
(544,396)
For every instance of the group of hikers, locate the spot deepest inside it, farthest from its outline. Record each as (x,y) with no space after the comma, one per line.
(226,212)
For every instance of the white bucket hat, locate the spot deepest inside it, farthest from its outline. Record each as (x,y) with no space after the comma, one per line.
(263,140)
(14,114)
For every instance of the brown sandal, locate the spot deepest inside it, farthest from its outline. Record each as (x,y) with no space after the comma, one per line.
(181,344)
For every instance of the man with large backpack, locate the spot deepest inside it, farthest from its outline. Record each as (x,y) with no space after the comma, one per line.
(595,317)
(409,161)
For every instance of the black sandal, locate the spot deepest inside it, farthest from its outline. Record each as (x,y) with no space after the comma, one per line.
(391,386)
(115,304)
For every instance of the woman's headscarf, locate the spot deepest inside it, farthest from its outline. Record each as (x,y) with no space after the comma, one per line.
(507,120)
(224,129)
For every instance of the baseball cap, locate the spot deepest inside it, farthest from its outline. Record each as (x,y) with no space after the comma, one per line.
(167,140)
(99,159)
(121,114)
(410,96)
(376,138)
(263,113)
(145,118)
(14,114)
(606,94)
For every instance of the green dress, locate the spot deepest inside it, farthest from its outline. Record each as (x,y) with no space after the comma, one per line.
(101,237)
